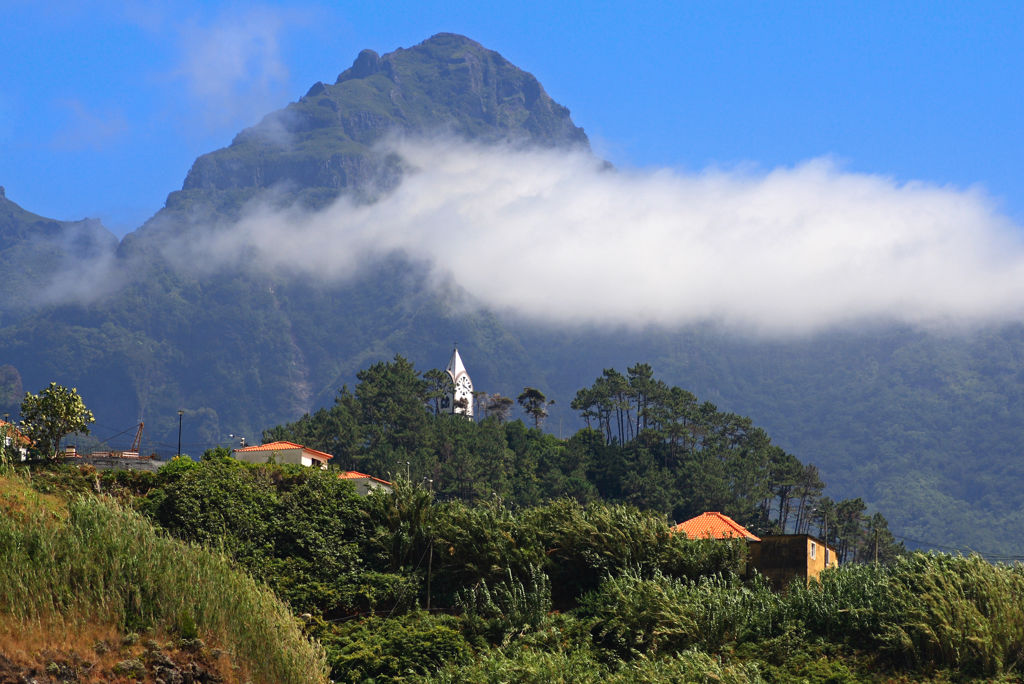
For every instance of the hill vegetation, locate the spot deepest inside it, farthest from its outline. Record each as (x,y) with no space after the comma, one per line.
(647,444)
(406,587)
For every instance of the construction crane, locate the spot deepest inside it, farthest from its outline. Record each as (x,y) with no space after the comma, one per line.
(137,442)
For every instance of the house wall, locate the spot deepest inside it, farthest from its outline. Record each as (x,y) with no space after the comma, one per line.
(785,557)
(816,564)
(281,456)
(781,559)
(365,485)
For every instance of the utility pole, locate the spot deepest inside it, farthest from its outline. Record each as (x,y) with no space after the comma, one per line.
(824,516)
(4,439)
(180,414)
(876,545)
(430,552)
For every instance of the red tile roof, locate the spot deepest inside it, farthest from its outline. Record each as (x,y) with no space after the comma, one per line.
(286,446)
(714,525)
(353,475)
(15,433)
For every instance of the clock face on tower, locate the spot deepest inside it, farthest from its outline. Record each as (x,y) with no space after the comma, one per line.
(461,390)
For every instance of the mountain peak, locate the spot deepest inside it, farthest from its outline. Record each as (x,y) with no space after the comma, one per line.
(441,47)
(366,64)
(324,144)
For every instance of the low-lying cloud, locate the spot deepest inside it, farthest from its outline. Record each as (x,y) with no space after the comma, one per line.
(560,238)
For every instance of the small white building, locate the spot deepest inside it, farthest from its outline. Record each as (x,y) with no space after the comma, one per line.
(14,442)
(283,452)
(365,483)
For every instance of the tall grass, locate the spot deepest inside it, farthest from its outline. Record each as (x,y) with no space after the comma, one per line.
(104,563)
(958,612)
(925,611)
(634,616)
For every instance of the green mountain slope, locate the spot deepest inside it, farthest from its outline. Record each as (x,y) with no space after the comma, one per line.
(37,252)
(925,427)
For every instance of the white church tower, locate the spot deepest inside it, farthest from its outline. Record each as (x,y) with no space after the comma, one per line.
(461,399)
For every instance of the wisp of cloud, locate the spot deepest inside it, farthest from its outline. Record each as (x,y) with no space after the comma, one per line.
(560,238)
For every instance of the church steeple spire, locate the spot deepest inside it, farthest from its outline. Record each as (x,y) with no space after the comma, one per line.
(462,394)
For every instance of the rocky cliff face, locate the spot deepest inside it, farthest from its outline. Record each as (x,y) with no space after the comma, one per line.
(323,144)
(240,350)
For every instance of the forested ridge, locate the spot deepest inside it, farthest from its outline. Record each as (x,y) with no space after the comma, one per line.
(646,444)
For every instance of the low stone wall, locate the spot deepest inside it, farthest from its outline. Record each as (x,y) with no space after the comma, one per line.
(113,463)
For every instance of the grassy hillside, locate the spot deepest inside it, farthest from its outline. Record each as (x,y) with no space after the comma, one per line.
(92,590)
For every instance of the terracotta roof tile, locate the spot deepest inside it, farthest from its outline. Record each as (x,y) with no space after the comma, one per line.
(354,475)
(714,525)
(15,433)
(284,446)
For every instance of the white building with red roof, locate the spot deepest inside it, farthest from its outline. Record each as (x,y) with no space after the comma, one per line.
(14,442)
(364,483)
(283,452)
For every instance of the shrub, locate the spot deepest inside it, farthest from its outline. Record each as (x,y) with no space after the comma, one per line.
(414,645)
(506,608)
(852,604)
(691,666)
(633,616)
(956,612)
(585,544)
(564,664)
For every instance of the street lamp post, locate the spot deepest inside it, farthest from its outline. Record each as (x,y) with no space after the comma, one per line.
(5,439)
(824,529)
(180,414)
(825,517)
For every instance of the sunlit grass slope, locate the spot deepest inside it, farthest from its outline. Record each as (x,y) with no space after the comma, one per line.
(96,563)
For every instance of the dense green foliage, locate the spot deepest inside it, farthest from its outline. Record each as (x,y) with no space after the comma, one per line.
(571,592)
(653,446)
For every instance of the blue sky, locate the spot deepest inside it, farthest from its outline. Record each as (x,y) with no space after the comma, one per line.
(104,105)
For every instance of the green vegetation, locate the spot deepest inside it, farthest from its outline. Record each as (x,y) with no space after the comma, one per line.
(51,415)
(556,592)
(467,574)
(923,426)
(647,444)
(99,563)
(505,553)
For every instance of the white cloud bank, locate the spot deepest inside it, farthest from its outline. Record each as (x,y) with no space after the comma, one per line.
(554,237)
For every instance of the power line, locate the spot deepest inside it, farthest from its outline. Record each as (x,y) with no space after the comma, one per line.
(962,551)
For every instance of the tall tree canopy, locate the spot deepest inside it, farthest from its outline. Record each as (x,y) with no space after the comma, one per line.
(47,417)
(648,444)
